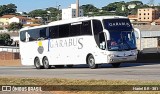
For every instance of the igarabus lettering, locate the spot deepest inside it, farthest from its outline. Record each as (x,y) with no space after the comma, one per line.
(119,24)
(70,42)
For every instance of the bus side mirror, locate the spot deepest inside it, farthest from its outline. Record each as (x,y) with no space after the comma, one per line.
(102,45)
(137,33)
(27,37)
(102,40)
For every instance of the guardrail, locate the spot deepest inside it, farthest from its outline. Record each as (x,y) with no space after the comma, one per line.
(9,49)
(6,31)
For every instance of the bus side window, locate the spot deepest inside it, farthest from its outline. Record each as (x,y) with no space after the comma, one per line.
(53,32)
(64,30)
(75,30)
(33,34)
(86,28)
(23,36)
(42,33)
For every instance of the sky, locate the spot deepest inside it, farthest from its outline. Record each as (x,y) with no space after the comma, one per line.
(29,5)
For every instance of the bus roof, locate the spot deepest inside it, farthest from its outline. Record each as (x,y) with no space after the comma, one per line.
(72,20)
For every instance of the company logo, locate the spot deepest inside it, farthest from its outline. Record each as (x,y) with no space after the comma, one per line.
(71,42)
(119,24)
(40,47)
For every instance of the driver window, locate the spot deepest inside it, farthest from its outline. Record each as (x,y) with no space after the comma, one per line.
(23,36)
(97,30)
(97,27)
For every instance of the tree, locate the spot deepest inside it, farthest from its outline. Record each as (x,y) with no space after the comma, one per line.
(38,13)
(111,7)
(53,13)
(2,9)
(11,8)
(89,8)
(49,14)
(117,8)
(8,9)
(135,2)
(15,26)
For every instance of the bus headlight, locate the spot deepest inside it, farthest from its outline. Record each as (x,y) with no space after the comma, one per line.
(112,55)
(133,53)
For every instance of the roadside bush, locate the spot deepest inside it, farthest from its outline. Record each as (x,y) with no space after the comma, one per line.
(5,39)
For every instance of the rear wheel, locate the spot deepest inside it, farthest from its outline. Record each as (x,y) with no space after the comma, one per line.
(116,65)
(37,63)
(91,62)
(45,63)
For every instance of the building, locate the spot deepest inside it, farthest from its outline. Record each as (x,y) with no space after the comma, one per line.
(4,20)
(133,18)
(34,21)
(156,22)
(18,19)
(148,14)
(70,12)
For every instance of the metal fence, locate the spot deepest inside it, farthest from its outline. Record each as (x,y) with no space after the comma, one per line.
(9,49)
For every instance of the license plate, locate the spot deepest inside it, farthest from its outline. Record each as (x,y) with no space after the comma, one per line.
(124,58)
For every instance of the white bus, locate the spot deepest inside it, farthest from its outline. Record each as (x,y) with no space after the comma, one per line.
(86,40)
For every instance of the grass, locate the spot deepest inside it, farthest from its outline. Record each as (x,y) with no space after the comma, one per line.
(54,81)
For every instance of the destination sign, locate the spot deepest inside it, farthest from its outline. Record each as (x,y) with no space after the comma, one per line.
(117,24)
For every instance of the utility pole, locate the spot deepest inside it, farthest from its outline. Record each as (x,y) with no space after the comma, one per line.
(58,15)
(77,8)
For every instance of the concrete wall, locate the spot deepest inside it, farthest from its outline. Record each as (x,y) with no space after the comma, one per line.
(9,56)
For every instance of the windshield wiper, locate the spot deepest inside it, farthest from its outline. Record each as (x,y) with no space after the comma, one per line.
(127,44)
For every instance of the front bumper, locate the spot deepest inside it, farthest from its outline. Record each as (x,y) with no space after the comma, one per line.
(122,59)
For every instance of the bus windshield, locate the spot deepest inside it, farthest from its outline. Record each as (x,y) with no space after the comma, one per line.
(121,35)
(121,40)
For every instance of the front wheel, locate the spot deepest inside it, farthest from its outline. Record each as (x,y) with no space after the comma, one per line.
(45,63)
(91,62)
(37,63)
(116,65)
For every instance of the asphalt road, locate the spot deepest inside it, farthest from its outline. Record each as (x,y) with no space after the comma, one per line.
(127,71)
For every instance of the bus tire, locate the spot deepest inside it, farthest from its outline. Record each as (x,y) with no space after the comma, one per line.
(45,63)
(91,62)
(116,65)
(37,63)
